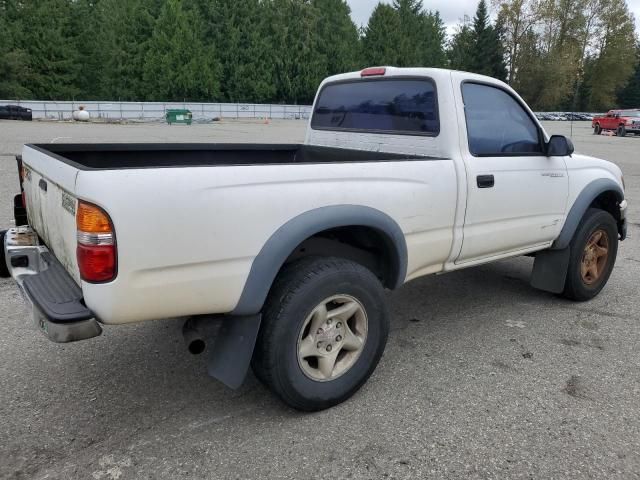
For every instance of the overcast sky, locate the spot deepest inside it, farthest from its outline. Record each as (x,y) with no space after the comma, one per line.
(450,10)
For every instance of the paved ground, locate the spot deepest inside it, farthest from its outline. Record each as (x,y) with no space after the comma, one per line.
(483,377)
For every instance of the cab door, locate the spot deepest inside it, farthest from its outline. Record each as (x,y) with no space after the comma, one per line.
(609,121)
(516,195)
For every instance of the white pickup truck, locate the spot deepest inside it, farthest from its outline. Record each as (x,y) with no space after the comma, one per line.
(288,248)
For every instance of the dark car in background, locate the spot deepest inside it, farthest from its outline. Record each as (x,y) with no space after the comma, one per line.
(15,112)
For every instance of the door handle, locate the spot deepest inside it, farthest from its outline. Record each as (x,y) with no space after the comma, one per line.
(485,181)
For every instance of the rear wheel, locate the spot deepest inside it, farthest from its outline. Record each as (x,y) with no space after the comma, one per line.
(622,131)
(597,130)
(594,248)
(324,329)
(4,270)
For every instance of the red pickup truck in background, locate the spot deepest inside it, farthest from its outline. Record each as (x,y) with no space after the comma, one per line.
(620,121)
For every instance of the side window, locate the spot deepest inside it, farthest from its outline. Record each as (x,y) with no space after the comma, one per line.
(497,124)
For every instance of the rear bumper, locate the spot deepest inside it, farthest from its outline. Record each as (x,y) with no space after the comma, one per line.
(54,299)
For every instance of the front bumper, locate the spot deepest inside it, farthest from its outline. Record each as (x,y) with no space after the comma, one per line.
(52,296)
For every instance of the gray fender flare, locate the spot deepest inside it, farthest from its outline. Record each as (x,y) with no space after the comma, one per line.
(283,242)
(580,206)
(551,266)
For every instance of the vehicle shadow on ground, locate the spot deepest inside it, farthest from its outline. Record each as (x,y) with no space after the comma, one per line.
(135,378)
(147,364)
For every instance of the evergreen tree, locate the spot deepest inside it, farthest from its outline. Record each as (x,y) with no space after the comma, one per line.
(629,96)
(338,39)
(84,18)
(378,43)
(124,32)
(178,66)
(404,35)
(13,60)
(237,29)
(460,51)
(434,37)
(45,46)
(487,57)
(291,31)
(409,39)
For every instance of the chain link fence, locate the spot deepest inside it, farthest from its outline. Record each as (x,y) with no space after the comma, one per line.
(155,111)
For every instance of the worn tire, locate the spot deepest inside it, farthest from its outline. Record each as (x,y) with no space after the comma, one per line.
(622,131)
(597,130)
(299,288)
(575,286)
(4,271)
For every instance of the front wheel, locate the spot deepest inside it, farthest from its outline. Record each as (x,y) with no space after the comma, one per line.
(324,329)
(597,130)
(622,131)
(594,248)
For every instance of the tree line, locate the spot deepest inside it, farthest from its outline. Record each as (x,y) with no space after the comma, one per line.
(559,54)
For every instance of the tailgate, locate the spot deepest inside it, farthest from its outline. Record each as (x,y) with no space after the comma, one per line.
(49,186)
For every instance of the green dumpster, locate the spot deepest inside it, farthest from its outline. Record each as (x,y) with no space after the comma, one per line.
(178,115)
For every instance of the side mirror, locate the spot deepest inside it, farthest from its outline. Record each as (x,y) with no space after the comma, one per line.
(559,146)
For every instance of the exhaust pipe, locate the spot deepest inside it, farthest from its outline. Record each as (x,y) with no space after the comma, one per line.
(193,338)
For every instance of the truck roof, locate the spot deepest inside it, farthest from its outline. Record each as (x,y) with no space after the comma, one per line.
(389,71)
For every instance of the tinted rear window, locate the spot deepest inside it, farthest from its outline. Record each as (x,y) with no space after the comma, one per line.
(403,106)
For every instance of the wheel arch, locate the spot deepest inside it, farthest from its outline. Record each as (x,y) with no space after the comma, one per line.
(284,242)
(603,193)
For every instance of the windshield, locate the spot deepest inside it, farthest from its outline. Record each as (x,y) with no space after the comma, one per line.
(634,114)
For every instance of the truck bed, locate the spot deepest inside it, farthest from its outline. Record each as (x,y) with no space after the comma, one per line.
(165,155)
(187,238)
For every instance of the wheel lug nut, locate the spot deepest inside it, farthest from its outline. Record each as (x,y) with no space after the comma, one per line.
(329,322)
(339,324)
(320,331)
(319,345)
(339,338)
(329,348)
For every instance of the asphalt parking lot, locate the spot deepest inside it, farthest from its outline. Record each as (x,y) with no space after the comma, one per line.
(483,377)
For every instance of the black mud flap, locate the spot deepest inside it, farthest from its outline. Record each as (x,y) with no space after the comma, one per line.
(550,270)
(230,355)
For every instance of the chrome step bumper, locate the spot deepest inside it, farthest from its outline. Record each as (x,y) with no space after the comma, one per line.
(54,299)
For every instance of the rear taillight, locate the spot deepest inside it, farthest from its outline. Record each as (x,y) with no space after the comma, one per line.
(96,252)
